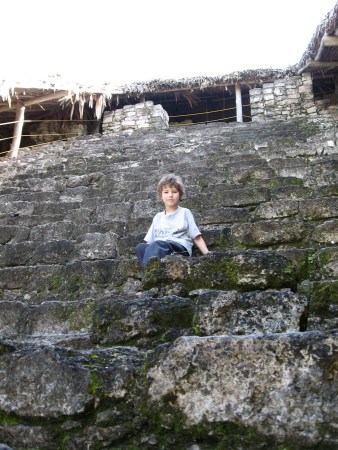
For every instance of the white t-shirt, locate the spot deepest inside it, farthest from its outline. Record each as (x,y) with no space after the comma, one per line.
(178,227)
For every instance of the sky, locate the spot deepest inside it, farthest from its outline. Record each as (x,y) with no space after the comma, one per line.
(128,41)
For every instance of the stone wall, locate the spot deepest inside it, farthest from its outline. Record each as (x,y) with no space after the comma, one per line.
(142,116)
(283,99)
(232,350)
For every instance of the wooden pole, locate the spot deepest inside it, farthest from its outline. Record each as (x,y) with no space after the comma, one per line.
(239,109)
(19,118)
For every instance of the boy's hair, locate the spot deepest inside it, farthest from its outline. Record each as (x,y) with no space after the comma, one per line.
(171,180)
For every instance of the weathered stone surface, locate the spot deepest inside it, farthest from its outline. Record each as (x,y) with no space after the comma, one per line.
(222,215)
(237,197)
(268,383)
(324,264)
(281,208)
(319,208)
(15,254)
(97,245)
(247,270)
(144,322)
(326,233)
(10,233)
(43,383)
(233,312)
(323,304)
(52,317)
(49,383)
(29,436)
(71,214)
(52,252)
(263,234)
(52,231)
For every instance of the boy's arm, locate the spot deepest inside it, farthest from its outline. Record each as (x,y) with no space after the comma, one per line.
(199,241)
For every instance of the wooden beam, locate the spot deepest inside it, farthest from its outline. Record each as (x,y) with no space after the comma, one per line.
(19,118)
(37,100)
(318,65)
(326,41)
(330,41)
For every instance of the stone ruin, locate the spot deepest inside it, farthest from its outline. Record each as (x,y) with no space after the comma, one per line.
(236,350)
(142,116)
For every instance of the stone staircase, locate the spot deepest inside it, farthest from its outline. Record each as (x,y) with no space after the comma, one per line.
(231,350)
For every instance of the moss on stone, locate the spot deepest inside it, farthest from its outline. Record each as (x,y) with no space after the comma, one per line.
(7,419)
(323,295)
(169,429)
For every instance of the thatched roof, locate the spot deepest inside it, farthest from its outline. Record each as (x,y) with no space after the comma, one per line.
(10,91)
(322,51)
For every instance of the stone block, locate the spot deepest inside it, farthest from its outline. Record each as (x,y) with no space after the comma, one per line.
(279,91)
(53,252)
(236,313)
(113,212)
(268,86)
(240,270)
(91,246)
(222,196)
(144,321)
(277,208)
(256,99)
(227,379)
(305,89)
(323,304)
(319,208)
(326,233)
(13,233)
(223,215)
(127,123)
(267,233)
(255,92)
(107,118)
(52,231)
(324,264)
(16,254)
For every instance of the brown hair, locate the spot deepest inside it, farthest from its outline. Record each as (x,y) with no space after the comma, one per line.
(170,180)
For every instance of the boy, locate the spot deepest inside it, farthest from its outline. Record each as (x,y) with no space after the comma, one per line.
(173,230)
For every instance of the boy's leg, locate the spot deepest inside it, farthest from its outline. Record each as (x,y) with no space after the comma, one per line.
(157,249)
(140,250)
(160,249)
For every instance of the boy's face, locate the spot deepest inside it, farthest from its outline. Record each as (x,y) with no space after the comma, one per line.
(170,197)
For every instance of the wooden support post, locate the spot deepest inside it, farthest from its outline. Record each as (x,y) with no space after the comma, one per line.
(239,109)
(19,120)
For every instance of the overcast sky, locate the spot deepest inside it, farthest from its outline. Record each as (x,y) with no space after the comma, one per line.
(139,40)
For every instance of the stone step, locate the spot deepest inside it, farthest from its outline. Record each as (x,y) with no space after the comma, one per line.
(227,270)
(69,340)
(61,242)
(145,321)
(47,318)
(98,396)
(49,279)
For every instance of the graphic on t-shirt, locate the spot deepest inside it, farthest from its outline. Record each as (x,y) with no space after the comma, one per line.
(162,232)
